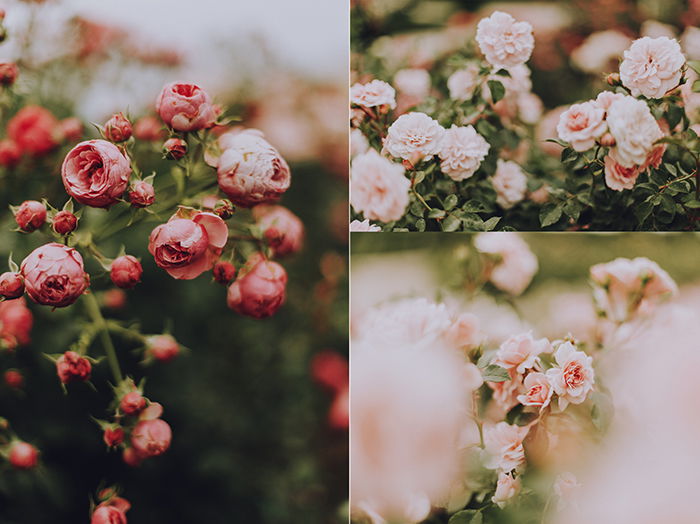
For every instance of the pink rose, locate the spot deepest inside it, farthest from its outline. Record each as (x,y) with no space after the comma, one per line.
(185,107)
(606,98)
(461,152)
(142,194)
(504,41)
(652,66)
(413,82)
(618,177)
(373,94)
(538,391)
(35,130)
(378,187)
(634,129)
(464,332)
(504,445)
(151,438)
(505,394)
(283,230)
(462,83)
(64,222)
(364,226)
(148,129)
(163,348)
(30,215)
(175,148)
(71,367)
(108,515)
(132,403)
(95,173)
(186,247)
(250,170)
(510,183)
(54,275)
(15,323)
(260,291)
(224,272)
(581,125)
(23,455)
(11,285)
(126,271)
(507,487)
(520,352)
(414,137)
(515,263)
(117,128)
(573,378)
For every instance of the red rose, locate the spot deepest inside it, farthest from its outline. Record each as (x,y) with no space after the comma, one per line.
(71,367)
(260,292)
(14,378)
(117,128)
(15,323)
(132,403)
(175,148)
(54,275)
(30,215)
(162,347)
(151,438)
(113,436)
(10,153)
(126,271)
(142,194)
(284,231)
(224,272)
(148,129)
(64,222)
(35,130)
(11,285)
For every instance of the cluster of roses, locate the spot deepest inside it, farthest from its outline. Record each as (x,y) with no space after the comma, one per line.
(381,188)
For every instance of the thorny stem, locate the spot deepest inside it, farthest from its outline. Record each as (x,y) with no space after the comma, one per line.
(93,309)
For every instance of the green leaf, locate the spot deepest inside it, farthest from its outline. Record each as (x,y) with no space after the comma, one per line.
(451,223)
(450,202)
(420,225)
(436,213)
(675,113)
(495,373)
(491,223)
(550,214)
(418,177)
(485,128)
(692,204)
(572,209)
(467,516)
(498,91)
(694,65)
(696,86)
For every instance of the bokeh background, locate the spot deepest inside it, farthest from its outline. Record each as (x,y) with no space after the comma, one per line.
(252,441)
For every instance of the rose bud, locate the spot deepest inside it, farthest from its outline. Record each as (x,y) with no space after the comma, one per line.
(117,128)
(72,129)
(114,299)
(224,272)
(54,275)
(224,210)
(11,285)
(151,438)
(108,515)
(142,194)
(148,129)
(185,247)
(64,222)
(23,455)
(71,367)
(35,130)
(113,436)
(30,215)
(162,347)
(95,173)
(14,378)
(126,271)
(175,148)
(607,140)
(284,231)
(250,171)
(185,107)
(131,457)
(132,403)
(330,369)
(8,73)
(260,292)
(10,153)
(16,320)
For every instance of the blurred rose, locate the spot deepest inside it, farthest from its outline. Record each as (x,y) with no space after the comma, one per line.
(599,50)
(8,73)
(15,322)
(163,348)
(10,153)
(23,455)
(282,229)
(510,183)
(517,265)
(11,285)
(72,129)
(149,129)
(35,130)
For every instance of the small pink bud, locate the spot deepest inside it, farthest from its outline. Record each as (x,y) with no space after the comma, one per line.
(10,153)
(224,272)
(71,367)
(607,140)
(132,403)
(148,129)
(132,458)
(142,194)
(175,148)
(23,455)
(8,73)
(30,215)
(113,436)
(613,79)
(126,271)
(11,285)
(14,378)
(163,347)
(118,128)
(64,222)
(151,438)
(72,129)
(114,299)
(108,515)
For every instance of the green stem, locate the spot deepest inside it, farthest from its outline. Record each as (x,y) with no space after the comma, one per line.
(93,309)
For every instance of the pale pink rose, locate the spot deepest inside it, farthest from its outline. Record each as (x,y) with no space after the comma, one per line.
(358,143)
(250,170)
(186,247)
(281,228)
(95,173)
(356,226)
(606,98)
(510,183)
(504,445)
(373,94)
(538,391)
(507,487)
(505,394)
(505,42)
(565,487)
(462,82)
(520,352)
(185,107)
(378,187)
(530,108)
(573,378)
(597,53)
(581,125)
(516,266)
(652,66)
(690,42)
(634,129)
(655,157)
(414,137)
(54,275)
(547,129)
(413,82)
(461,152)
(464,332)
(618,177)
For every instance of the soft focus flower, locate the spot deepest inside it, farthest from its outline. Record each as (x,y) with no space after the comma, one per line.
(30,215)
(507,487)
(260,291)
(504,41)
(54,275)
(655,29)
(510,183)
(690,42)
(142,194)
(71,128)
(635,130)
(530,108)
(175,148)
(95,173)
(378,187)
(132,403)
(282,229)
(163,348)
(8,73)
(517,265)
(15,323)
(126,271)
(11,285)
(23,455)
(373,94)
(71,367)
(464,333)
(13,378)
(538,391)
(117,128)
(364,225)
(414,137)
(35,130)
(114,298)
(330,369)
(581,125)
(339,413)
(148,129)
(599,50)
(185,107)
(250,170)
(504,445)
(462,82)
(151,438)
(224,272)
(618,177)
(652,66)
(358,143)
(520,352)
(64,222)
(413,82)
(565,487)
(462,151)
(186,247)
(10,153)
(505,394)
(573,378)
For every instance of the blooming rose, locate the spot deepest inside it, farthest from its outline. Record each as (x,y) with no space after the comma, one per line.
(521,352)
(538,391)
(573,378)
(142,194)
(259,291)
(461,152)
(71,367)
(23,455)
(462,82)
(413,137)
(224,272)
(510,183)
(378,187)
(358,143)
(373,94)
(126,271)
(634,129)
(132,403)
(64,222)
(504,445)
(15,323)
(505,42)
(606,98)
(250,170)
(8,73)
(507,487)
(163,348)
(148,129)
(517,264)
(618,177)
(151,438)
(117,128)
(175,148)
(357,226)
(186,247)
(283,230)
(185,107)
(95,173)
(581,125)
(10,153)
(413,82)
(11,285)
(652,66)
(35,130)
(30,215)
(54,275)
